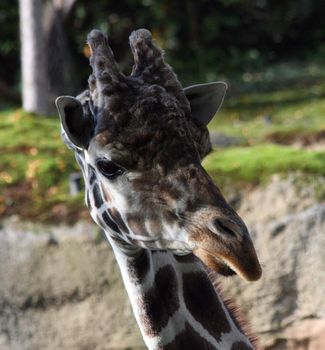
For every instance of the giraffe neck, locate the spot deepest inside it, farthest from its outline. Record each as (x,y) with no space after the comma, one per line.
(173,300)
(175,304)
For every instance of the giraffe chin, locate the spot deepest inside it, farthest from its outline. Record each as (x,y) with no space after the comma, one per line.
(225,266)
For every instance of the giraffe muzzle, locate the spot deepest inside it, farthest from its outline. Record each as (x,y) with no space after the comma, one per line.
(228,261)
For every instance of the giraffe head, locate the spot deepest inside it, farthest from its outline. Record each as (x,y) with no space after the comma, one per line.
(139,140)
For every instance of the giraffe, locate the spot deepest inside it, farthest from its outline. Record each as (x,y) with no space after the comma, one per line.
(139,141)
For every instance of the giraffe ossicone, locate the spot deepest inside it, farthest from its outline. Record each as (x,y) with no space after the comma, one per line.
(139,141)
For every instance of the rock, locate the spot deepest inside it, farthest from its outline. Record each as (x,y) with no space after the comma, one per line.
(306,334)
(60,287)
(292,289)
(67,295)
(280,197)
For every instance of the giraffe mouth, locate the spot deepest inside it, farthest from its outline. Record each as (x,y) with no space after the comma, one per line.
(222,267)
(227,265)
(214,263)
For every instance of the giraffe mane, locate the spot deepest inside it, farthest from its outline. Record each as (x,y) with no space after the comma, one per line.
(236,313)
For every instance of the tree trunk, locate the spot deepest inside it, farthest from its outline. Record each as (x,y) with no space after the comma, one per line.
(35,86)
(62,75)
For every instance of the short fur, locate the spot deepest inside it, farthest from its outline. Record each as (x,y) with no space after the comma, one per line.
(140,150)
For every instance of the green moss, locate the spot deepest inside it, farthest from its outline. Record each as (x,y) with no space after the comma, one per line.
(35,164)
(25,130)
(254,164)
(256,116)
(31,151)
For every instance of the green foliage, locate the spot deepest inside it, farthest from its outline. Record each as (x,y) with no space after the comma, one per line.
(203,39)
(256,163)
(9,42)
(35,165)
(296,109)
(292,115)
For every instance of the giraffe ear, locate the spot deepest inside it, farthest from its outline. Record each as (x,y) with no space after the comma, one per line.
(78,126)
(205,100)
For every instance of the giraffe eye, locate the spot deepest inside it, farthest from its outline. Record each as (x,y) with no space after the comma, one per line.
(109,169)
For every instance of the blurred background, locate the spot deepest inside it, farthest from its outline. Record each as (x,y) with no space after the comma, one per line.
(59,285)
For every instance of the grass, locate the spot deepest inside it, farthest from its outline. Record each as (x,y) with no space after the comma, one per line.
(31,151)
(287,112)
(35,164)
(285,99)
(255,164)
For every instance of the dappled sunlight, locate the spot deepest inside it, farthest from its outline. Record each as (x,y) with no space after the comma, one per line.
(60,287)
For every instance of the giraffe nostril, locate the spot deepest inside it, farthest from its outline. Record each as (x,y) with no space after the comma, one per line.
(225,227)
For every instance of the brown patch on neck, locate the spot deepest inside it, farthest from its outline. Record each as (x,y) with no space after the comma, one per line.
(202,302)
(160,302)
(188,339)
(139,266)
(239,345)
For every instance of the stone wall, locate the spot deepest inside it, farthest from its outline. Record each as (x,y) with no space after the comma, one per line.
(60,287)
(286,308)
